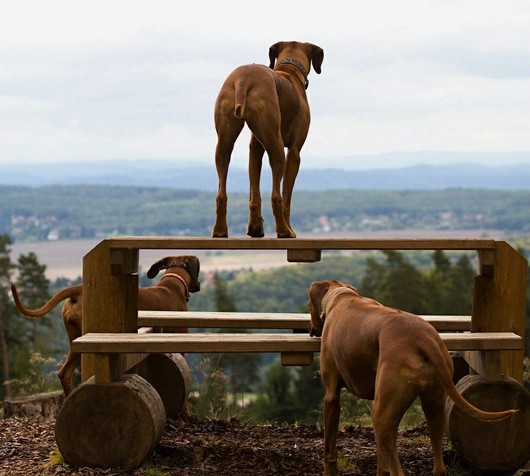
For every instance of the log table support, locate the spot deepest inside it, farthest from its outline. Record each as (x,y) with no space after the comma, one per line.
(499,303)
(110,301)
(113,400)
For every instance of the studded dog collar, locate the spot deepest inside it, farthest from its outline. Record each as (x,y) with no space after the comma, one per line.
(299,65)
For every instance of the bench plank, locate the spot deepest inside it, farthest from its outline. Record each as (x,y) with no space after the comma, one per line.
(198,343)
(262,320)
(282,244)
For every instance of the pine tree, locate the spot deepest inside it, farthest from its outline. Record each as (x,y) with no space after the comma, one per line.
(461,281)
(396,283)
(6,311)
(275,401)
(33,289)
(438,284)
(242,368)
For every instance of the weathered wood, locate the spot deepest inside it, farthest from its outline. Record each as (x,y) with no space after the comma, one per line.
(296,358)
(107,343)
(170,375)
(110,302)
(499,300)
(110,426)
(41,404)
(264,320)
(495,445)
(193,243)
(123,261)
(303,256)
(486,364)
(461,367)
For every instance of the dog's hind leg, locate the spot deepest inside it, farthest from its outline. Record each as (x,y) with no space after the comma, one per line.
(228,130)
(433,404)
(66,372)
(266,129)
(291,171)
(390,404)
(255,219)
(333,384)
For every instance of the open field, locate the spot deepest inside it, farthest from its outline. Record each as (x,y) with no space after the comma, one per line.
(64,258)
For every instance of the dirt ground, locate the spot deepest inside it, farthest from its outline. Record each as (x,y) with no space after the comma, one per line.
(211,447)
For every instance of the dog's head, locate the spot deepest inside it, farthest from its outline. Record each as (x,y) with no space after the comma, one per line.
(314,55)
(190,263)
(319,292)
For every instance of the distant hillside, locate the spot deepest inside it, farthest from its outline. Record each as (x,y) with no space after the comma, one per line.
(204,178)
(97,211)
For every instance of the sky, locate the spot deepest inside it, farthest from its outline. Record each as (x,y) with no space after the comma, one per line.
(114,80)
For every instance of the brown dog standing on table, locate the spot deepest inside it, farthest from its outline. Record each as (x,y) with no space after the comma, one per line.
(171,294)
(273,103)
(386,355)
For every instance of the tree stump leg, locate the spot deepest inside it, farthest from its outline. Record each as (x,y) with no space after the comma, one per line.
(170,375)
(460,365)
(491,445)
(114,425)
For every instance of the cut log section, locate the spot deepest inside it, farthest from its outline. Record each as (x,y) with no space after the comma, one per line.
(114,425)
(170,375)
(501,445)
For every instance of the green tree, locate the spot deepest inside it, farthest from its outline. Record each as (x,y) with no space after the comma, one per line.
(438,283)
(459,299)
(275,395)
(33,288)
(374,278)
(308,393)
(223,300)
(6,311)
(242,368)
(395,283)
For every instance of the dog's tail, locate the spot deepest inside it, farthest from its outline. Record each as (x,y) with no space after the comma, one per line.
(61,295)
(240,98)
(437,354)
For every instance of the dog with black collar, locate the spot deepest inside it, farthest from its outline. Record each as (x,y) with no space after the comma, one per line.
(272,102)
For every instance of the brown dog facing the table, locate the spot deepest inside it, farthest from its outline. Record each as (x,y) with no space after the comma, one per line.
(385,355)
(181,277)
(272,101)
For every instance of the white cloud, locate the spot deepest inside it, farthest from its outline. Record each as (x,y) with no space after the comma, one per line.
(131,79)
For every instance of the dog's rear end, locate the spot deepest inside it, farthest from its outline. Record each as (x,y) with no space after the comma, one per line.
(181,277)
(273,103)
(385,355)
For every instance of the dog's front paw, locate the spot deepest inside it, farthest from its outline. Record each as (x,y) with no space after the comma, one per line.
(256,231)
(289,234)
(219,232)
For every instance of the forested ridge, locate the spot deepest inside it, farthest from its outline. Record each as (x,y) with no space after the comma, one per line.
(91,211)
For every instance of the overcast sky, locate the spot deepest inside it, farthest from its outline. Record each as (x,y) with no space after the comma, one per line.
(110,80)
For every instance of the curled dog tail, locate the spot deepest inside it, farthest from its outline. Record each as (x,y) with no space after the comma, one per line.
(436,353)
(61,295)
(240,98)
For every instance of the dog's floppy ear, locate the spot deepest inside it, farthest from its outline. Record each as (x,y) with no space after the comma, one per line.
(274,50)
(317,57)
(193,266)
(317,291)
(156,267)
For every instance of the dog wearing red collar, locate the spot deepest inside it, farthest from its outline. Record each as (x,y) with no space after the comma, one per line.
(172,293)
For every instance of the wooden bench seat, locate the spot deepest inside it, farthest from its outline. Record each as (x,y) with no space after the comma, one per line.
(112,343)
(259,320)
